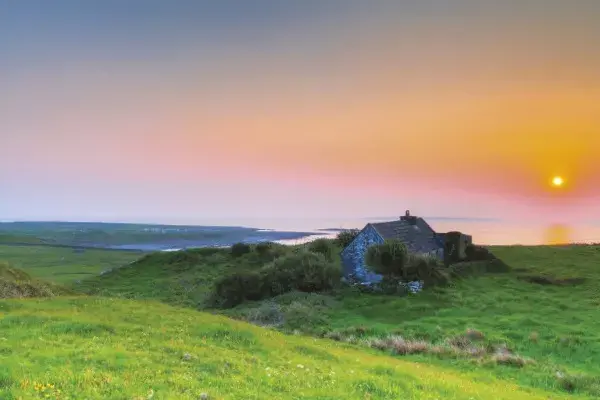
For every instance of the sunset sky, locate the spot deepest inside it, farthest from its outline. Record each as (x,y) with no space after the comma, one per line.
(177,111)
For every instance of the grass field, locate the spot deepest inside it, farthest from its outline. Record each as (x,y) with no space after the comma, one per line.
(63,265)
(555,326)
(99,348)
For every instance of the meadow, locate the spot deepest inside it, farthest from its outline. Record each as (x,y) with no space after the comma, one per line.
(147,327)
(62,264)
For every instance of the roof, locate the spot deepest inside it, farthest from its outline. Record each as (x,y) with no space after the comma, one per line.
(418,237)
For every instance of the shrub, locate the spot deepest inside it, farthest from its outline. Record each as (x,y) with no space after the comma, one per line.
(388,259)
(303,271)
(233,289)
(504,356)
(263,248)
(393,262)
(322,246)
(393,286)
(267,314)
(398,345)
(303,317)
(579,383)
(474,334)
(345,237)
(239,249)
(428,269)
(478,253)
(265,252)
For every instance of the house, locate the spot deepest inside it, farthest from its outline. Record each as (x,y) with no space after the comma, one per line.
(415,232)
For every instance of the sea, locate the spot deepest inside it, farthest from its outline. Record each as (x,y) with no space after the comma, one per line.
(483,231)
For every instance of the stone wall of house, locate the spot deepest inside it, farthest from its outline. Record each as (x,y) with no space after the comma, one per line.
(353,256)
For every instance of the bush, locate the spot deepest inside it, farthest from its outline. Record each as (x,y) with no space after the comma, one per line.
(322,246)
(478,253)
(579,383)
(303,317)
(239,249)
(303,271)
(267,251)
(263,248)
(388,259)
(392,286)
(428,269)
(267,314)
(235,288)
(344,238)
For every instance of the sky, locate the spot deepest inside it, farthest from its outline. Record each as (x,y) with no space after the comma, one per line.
(179,111)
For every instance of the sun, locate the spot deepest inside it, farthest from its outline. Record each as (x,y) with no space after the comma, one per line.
(557,181)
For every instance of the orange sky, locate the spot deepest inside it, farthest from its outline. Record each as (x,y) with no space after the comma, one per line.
(449,111)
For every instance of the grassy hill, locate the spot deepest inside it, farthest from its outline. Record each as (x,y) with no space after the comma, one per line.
(100,348)
(545,311)
(182,278)
(15,283)
(531,333)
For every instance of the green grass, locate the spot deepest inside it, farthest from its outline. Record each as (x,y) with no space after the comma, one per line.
(138,344)
(556,326)
(63,265)
(15,283)
(100,348)
(10,238)
(172,277)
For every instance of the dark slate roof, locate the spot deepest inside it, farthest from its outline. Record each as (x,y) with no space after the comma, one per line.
(418,237)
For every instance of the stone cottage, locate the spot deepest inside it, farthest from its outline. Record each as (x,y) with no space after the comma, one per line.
(413,231)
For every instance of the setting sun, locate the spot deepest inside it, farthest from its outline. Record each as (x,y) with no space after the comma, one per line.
(557,181)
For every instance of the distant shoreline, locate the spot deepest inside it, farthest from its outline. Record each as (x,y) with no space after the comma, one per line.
(138,238)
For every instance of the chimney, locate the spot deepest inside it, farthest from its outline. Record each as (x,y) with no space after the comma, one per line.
(410,218)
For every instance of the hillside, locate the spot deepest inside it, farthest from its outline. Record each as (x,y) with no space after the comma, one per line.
(99,348)
(15,283)
(177,278)
(545,312)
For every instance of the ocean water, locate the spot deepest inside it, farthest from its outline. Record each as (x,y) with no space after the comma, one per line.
(484,232)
